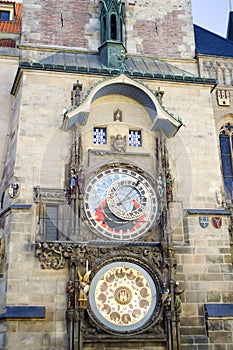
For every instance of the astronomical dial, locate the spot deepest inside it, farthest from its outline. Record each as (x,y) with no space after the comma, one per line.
(127,199)
(120,204)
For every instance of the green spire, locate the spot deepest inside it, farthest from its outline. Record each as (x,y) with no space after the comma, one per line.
(111,21)
(112,50)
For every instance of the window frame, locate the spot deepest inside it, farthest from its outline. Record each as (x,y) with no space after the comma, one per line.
(2,12)
(226,131)
(139,131)
(106,135)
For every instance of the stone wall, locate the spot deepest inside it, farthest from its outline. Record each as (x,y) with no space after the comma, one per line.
(8,68)
(165,32)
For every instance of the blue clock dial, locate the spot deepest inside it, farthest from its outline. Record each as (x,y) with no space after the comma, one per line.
(120,204)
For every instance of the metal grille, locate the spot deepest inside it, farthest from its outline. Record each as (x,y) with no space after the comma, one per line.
(100,136)
(135,138)
(51,223)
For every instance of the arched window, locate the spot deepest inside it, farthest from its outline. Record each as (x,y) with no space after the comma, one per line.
(113,27)
(226,148)
(104,38)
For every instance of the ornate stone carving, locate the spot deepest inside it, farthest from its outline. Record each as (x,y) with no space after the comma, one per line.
(47,193)
(52,255)
(118,143)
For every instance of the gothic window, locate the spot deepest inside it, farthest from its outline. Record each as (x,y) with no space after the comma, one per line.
(135,139)
(51,223)
(112,21)
(100,136)
(113,27)
(226,148)
(104,38)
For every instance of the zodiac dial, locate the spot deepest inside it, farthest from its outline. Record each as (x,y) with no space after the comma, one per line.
(123,296)
(120,204)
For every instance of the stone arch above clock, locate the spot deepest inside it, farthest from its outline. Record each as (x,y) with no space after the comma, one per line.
(160,118)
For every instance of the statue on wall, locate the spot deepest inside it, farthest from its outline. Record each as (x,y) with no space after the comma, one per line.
(169,183)
(76,94)
(118,143)
(84,287)
(73,181)
(166,296)
(177,294)
(117,116)
(14,190)
(70,290)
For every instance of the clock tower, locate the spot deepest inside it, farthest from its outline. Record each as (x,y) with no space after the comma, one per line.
(122,250)
(114,229)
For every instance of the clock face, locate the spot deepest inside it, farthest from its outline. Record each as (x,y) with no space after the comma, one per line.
(123,296)
(120,204)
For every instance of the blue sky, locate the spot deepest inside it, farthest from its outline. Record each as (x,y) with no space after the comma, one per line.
(212,15)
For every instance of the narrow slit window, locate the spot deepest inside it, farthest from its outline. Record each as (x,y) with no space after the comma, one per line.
(226,149)
(113,27)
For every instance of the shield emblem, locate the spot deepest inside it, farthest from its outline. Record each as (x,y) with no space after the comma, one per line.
(204,221)
(217,221)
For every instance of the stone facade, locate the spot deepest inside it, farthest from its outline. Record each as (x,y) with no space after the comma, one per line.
(165,32)
(51,245)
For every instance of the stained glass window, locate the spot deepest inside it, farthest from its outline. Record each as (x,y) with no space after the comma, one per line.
(135,139)
(226,144)
(100,136)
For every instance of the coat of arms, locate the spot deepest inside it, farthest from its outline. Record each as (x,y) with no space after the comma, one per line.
(217,221)
(204,221)
(223,97)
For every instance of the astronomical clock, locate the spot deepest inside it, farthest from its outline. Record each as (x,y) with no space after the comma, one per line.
(121,204)
(122,268)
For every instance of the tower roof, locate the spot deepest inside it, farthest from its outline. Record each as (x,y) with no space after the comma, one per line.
(211,44)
